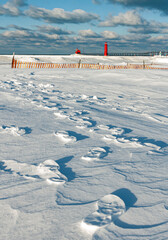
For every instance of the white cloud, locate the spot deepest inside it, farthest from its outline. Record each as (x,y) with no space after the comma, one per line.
(58,15)
(53,30)
(152,27)
(16,34)
(132,38)
(88,33)
(130,18)
(110,35)
(11,8)
(159,40)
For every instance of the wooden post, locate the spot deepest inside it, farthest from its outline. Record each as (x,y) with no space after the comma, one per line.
(79,64)
(13,60)
(143,64)
(15,63)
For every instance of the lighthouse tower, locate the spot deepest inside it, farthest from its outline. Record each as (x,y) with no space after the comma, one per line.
(105,49)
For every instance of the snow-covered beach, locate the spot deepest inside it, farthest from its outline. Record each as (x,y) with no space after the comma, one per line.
(84,153)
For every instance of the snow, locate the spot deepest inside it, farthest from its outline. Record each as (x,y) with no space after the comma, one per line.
(84,153)
(109,208)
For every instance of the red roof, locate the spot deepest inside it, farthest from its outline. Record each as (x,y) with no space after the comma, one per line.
(78,51)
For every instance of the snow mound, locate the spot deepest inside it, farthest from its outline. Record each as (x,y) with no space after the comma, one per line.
(161,59)
(48,170)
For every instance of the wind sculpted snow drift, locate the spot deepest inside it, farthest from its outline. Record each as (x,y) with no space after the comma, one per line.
(83,152)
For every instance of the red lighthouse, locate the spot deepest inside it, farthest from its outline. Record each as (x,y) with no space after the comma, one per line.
(78,51)
(105,49)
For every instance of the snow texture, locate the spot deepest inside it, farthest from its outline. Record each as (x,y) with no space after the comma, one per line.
(84,153)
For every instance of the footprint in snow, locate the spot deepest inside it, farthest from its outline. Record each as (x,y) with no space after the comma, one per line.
(85,122)
(64,137)
(81,113)
(91,99)
(117,131)
(48,170)
(103,127)
(95,154)
(61,115)
(122,142)
(111,129)
(15,131)
(118,137)
(109,208)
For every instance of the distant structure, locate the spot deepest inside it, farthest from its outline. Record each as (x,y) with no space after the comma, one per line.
(105,49)
(78,51)
(13,60)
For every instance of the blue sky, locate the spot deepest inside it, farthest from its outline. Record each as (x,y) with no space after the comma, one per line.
(59,27)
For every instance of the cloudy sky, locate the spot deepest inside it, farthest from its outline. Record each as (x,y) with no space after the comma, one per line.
(59,27)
